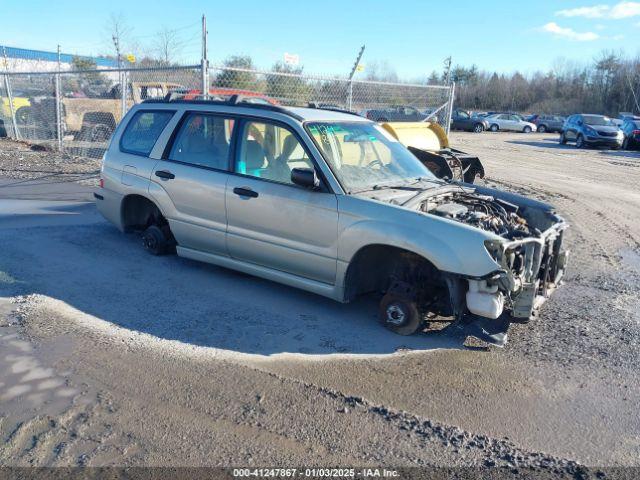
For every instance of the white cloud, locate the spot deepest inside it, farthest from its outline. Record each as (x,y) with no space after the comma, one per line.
(597,11)
(616,12)
(569,33)
(625,10)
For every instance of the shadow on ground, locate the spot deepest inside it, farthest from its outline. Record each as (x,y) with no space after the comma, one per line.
(89,265)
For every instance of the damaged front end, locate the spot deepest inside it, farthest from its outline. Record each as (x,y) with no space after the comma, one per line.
(528,247)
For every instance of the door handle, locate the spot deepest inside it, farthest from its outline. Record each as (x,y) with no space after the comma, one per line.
(165,174)
(245,192)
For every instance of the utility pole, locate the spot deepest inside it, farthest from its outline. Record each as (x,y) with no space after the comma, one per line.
(353,72)
(205,62)
(116,44)
(447,70)
(58,115)
(122,75)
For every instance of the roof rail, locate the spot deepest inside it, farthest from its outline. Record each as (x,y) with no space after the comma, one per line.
(319,106)
(234,100)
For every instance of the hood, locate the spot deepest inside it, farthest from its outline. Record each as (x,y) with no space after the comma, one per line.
(604,128)
(503,214)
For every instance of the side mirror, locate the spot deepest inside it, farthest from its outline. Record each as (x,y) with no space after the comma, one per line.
(305,177)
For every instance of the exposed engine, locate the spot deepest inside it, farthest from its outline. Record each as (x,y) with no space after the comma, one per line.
(481,211)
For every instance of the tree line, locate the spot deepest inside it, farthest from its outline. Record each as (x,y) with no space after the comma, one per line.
(608,85)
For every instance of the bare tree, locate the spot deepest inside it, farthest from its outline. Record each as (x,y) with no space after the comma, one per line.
(117,31)
(167,45)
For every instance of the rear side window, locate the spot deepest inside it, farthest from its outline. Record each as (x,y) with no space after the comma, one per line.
(203,140)
(143,131)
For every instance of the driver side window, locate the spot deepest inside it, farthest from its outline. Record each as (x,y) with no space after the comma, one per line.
(270,151)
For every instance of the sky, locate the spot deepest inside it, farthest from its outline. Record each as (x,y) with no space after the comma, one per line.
(412,36)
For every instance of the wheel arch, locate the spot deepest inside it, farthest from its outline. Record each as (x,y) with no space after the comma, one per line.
(139,211)
(373,265)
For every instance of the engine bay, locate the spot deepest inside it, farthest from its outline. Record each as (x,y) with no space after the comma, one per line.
(481,211)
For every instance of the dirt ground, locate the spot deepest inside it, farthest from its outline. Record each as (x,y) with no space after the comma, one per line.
(113,357)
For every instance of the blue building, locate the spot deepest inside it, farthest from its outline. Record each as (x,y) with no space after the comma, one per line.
(24,59)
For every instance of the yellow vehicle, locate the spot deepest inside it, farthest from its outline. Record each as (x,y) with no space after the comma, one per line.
(429,142)
(20,109)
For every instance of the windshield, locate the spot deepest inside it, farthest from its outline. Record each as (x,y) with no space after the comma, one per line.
(364,155)
(597,120)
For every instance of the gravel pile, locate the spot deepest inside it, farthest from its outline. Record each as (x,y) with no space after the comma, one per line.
(19,160)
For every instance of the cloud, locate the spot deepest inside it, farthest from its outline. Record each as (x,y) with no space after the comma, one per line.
(616,12)
(569,33)
(625,10)
(597,11)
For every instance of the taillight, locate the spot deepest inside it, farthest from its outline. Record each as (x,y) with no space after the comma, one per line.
(102,183)
(636,132)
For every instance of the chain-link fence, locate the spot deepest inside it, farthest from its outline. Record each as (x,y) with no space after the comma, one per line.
(77,111)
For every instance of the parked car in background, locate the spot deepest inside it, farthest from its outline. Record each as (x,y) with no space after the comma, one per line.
(631,131)
(462,120)
(21,105)
(89,118)
(589,130)
(396,113)
(547,123)
(509,122)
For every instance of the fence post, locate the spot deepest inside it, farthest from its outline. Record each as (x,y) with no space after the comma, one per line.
(14,125)
(350,100)
(452,90)
(204,66)
(58,110)
(7,86)
(58,115)
(123,92)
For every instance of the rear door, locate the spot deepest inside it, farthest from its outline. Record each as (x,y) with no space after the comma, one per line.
(271,221)
(194,174)
(504,122)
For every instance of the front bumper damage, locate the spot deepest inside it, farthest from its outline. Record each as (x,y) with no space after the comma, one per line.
(532,268)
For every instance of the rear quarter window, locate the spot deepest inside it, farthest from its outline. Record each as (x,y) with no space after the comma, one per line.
(143,131)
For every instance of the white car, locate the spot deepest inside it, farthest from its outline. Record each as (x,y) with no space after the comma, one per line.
(509,122)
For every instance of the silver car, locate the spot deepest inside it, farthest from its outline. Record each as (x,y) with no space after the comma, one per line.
(331,203)
(509,122)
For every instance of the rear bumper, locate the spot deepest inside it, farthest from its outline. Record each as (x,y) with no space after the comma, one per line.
(108,203)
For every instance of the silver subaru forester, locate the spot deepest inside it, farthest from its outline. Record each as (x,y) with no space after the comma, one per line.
(332,203)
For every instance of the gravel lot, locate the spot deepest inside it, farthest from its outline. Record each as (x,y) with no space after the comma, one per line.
(118,358)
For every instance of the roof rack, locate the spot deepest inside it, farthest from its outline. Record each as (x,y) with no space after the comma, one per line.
(234,100)
(318,106)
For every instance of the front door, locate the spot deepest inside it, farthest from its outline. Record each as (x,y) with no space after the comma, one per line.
(271,221)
